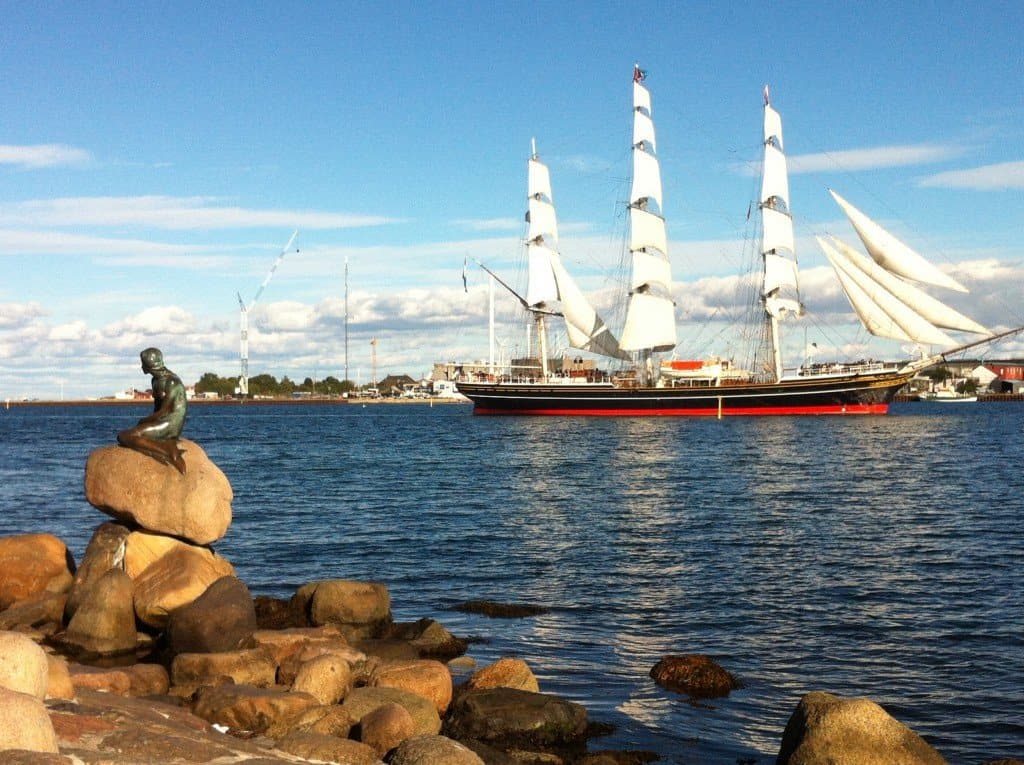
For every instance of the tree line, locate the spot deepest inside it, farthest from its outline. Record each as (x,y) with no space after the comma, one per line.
(268,385)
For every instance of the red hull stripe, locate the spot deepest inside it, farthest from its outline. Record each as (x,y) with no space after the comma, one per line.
(705,412)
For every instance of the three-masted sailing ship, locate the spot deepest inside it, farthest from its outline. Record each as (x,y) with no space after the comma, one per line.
(880,289)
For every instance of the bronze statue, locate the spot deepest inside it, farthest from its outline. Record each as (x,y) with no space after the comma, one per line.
(157,434)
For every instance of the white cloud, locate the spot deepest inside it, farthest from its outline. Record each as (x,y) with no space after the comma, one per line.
(872,158)
(492,224)
(998,177)
(177,213)
(43,155)
(158,320)
(72,332)
(17,315)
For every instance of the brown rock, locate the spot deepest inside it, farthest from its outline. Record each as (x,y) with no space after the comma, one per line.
(505,673)
(169,574)
(695,675)
(506,716)
(31,564)
(434,750)
(137,489)
(327,678)
(331,720)
(221,619)
(246,708)
(385,727)
(358,609)
(283,643)
(114,680)
(827,728)
(320,747)
(43,611)
(23,665)
(424,677)
(361,701)
(101,554)
(245,667)
(58,679)
(104,622)
(24,723)
(290,667)
(277,614)
(148,680)
(430,639)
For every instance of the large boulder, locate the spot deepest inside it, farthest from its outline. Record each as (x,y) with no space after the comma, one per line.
(434,750)
(243,707)
(361,701)
(104,622)
(221,619)
(169,574)
(25,723)
(505,717)
(505,673)
(386,727)
(321,747)
(327,678)
(245,667)
(23,665)
(329,719)
(134,488)
(425,677)
(827,728)
(104,552)
(31,564)
(695,675)
(357,609)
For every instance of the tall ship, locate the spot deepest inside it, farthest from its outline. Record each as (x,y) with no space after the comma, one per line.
(881,288)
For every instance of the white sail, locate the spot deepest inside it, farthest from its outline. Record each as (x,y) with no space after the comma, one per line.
(892,254)
(548,281)
(584,327)
(935,311)
(781,285)
(541,287)
(883,313)
(650,315)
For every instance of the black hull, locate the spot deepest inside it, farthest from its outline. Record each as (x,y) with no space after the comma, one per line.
(855,394)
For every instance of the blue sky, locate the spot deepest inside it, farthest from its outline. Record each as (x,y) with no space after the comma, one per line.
(154,159)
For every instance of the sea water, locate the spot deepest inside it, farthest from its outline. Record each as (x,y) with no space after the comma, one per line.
(880,557)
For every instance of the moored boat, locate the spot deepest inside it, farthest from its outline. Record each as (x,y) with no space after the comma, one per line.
(878,287)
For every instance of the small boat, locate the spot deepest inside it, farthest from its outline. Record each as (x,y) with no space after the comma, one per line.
(948,396)
(878,287)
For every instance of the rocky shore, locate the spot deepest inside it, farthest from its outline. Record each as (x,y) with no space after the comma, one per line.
(150,650)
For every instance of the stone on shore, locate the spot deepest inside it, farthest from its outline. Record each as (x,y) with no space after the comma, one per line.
(25,723)
(244,667)
(101,555)
(58,679)
(323,748)
(695,675)
(330,719)
(430,638)
(510,717)
(221,619)
(104,622)
(31,564)
(357,609)
(505,673)
(327,678)
(434,750)
(137,489)
(827,728)
(425,677)
(386,727)
(169,574)
(23,665)
(290,667)
(361,701)
(43,612)
(246,708)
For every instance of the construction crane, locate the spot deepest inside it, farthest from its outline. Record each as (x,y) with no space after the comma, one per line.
(243,380)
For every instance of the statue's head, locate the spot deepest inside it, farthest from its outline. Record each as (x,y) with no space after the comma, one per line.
(152,360)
